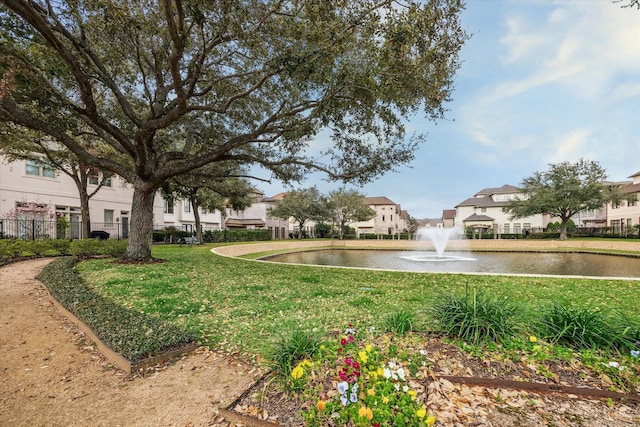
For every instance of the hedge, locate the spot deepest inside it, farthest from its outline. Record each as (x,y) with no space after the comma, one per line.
(132,334)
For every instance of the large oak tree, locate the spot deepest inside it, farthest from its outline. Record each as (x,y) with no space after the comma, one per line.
(169,86)
(564,190)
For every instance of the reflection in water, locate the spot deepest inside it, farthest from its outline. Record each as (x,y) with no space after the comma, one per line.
(574,264)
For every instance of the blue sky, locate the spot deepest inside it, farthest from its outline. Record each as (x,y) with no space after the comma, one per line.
(542,82)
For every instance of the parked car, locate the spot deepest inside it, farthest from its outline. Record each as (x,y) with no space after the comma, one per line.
(102,235)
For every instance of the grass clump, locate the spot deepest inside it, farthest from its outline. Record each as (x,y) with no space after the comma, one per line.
(400,322)
(292,348)
(134,335)
(577,327)
(476,317)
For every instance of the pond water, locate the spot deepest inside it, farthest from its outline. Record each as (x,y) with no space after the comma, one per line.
(535,263)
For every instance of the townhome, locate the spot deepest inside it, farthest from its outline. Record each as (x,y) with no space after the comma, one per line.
(27,182)
(624,216)
(257,216)
(389,218)
(484,211)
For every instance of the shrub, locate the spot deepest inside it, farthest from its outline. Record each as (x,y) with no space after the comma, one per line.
(399,322)
(130,333)
(12,248)
(62,246)
(476,317)
(114,247)
(293,348)
(85,248)
(580,328)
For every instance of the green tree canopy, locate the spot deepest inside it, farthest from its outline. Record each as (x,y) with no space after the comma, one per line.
(347,206)
(168,86)
(564,190)
(216,186)
(303,206)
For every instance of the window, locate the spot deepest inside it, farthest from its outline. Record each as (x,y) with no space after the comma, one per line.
(516,228)
(186,205)
(391,218)
(506,229)
(108,217)
(168,206)
(483,209)
(35,168)
(383,217)
(94,180)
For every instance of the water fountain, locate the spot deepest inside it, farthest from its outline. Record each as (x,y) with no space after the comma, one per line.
(439,237)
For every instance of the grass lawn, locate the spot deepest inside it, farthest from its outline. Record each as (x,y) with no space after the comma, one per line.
(243,306)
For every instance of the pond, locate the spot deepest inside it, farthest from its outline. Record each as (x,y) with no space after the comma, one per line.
(531,263)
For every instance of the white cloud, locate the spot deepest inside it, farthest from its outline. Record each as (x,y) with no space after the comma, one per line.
(571,146)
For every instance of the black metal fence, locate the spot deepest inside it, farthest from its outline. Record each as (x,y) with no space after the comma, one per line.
(35,229)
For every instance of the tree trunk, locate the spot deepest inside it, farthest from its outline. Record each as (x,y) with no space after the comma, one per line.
(86,217)
(563,229)
(196,216)
(141,226)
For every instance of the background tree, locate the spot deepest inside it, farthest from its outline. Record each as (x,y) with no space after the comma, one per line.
(303,206)
(564,190)
(217,186)
(170,86)
(347,206)
(22,143)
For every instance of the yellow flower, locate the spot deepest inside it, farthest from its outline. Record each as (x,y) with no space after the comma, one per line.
(362,355)
(431,420)
(413,394)
(297,372)
(380,371)
(371,392)
(368,348)
(533,339)
(385,399)
(305,363)
(321,405)
(421,412)
(365,412)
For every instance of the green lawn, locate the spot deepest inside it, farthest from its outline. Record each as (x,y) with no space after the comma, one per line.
(240,305)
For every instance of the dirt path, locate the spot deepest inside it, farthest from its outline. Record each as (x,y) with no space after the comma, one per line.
(51,375)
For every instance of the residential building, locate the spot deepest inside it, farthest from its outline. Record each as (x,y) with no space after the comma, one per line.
(25,182)
(484,212)
(257,216)
(449,218)
(179,214)
(624,216)
(389,218)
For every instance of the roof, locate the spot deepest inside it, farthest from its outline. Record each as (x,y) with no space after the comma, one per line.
(239,222)
(483,199)
(634,175)
(631,188)
(379,200)
(505,189)
(448,213)
(478,218)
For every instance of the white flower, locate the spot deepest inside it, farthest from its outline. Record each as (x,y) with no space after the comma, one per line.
(387,373)
(396,386)
(343,387)
(613,365)
(405,388)
(401,373)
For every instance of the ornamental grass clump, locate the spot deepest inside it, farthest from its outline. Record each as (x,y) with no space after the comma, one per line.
(365,386)
(291,349)
(579,328)
(399,322)
(476,317)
